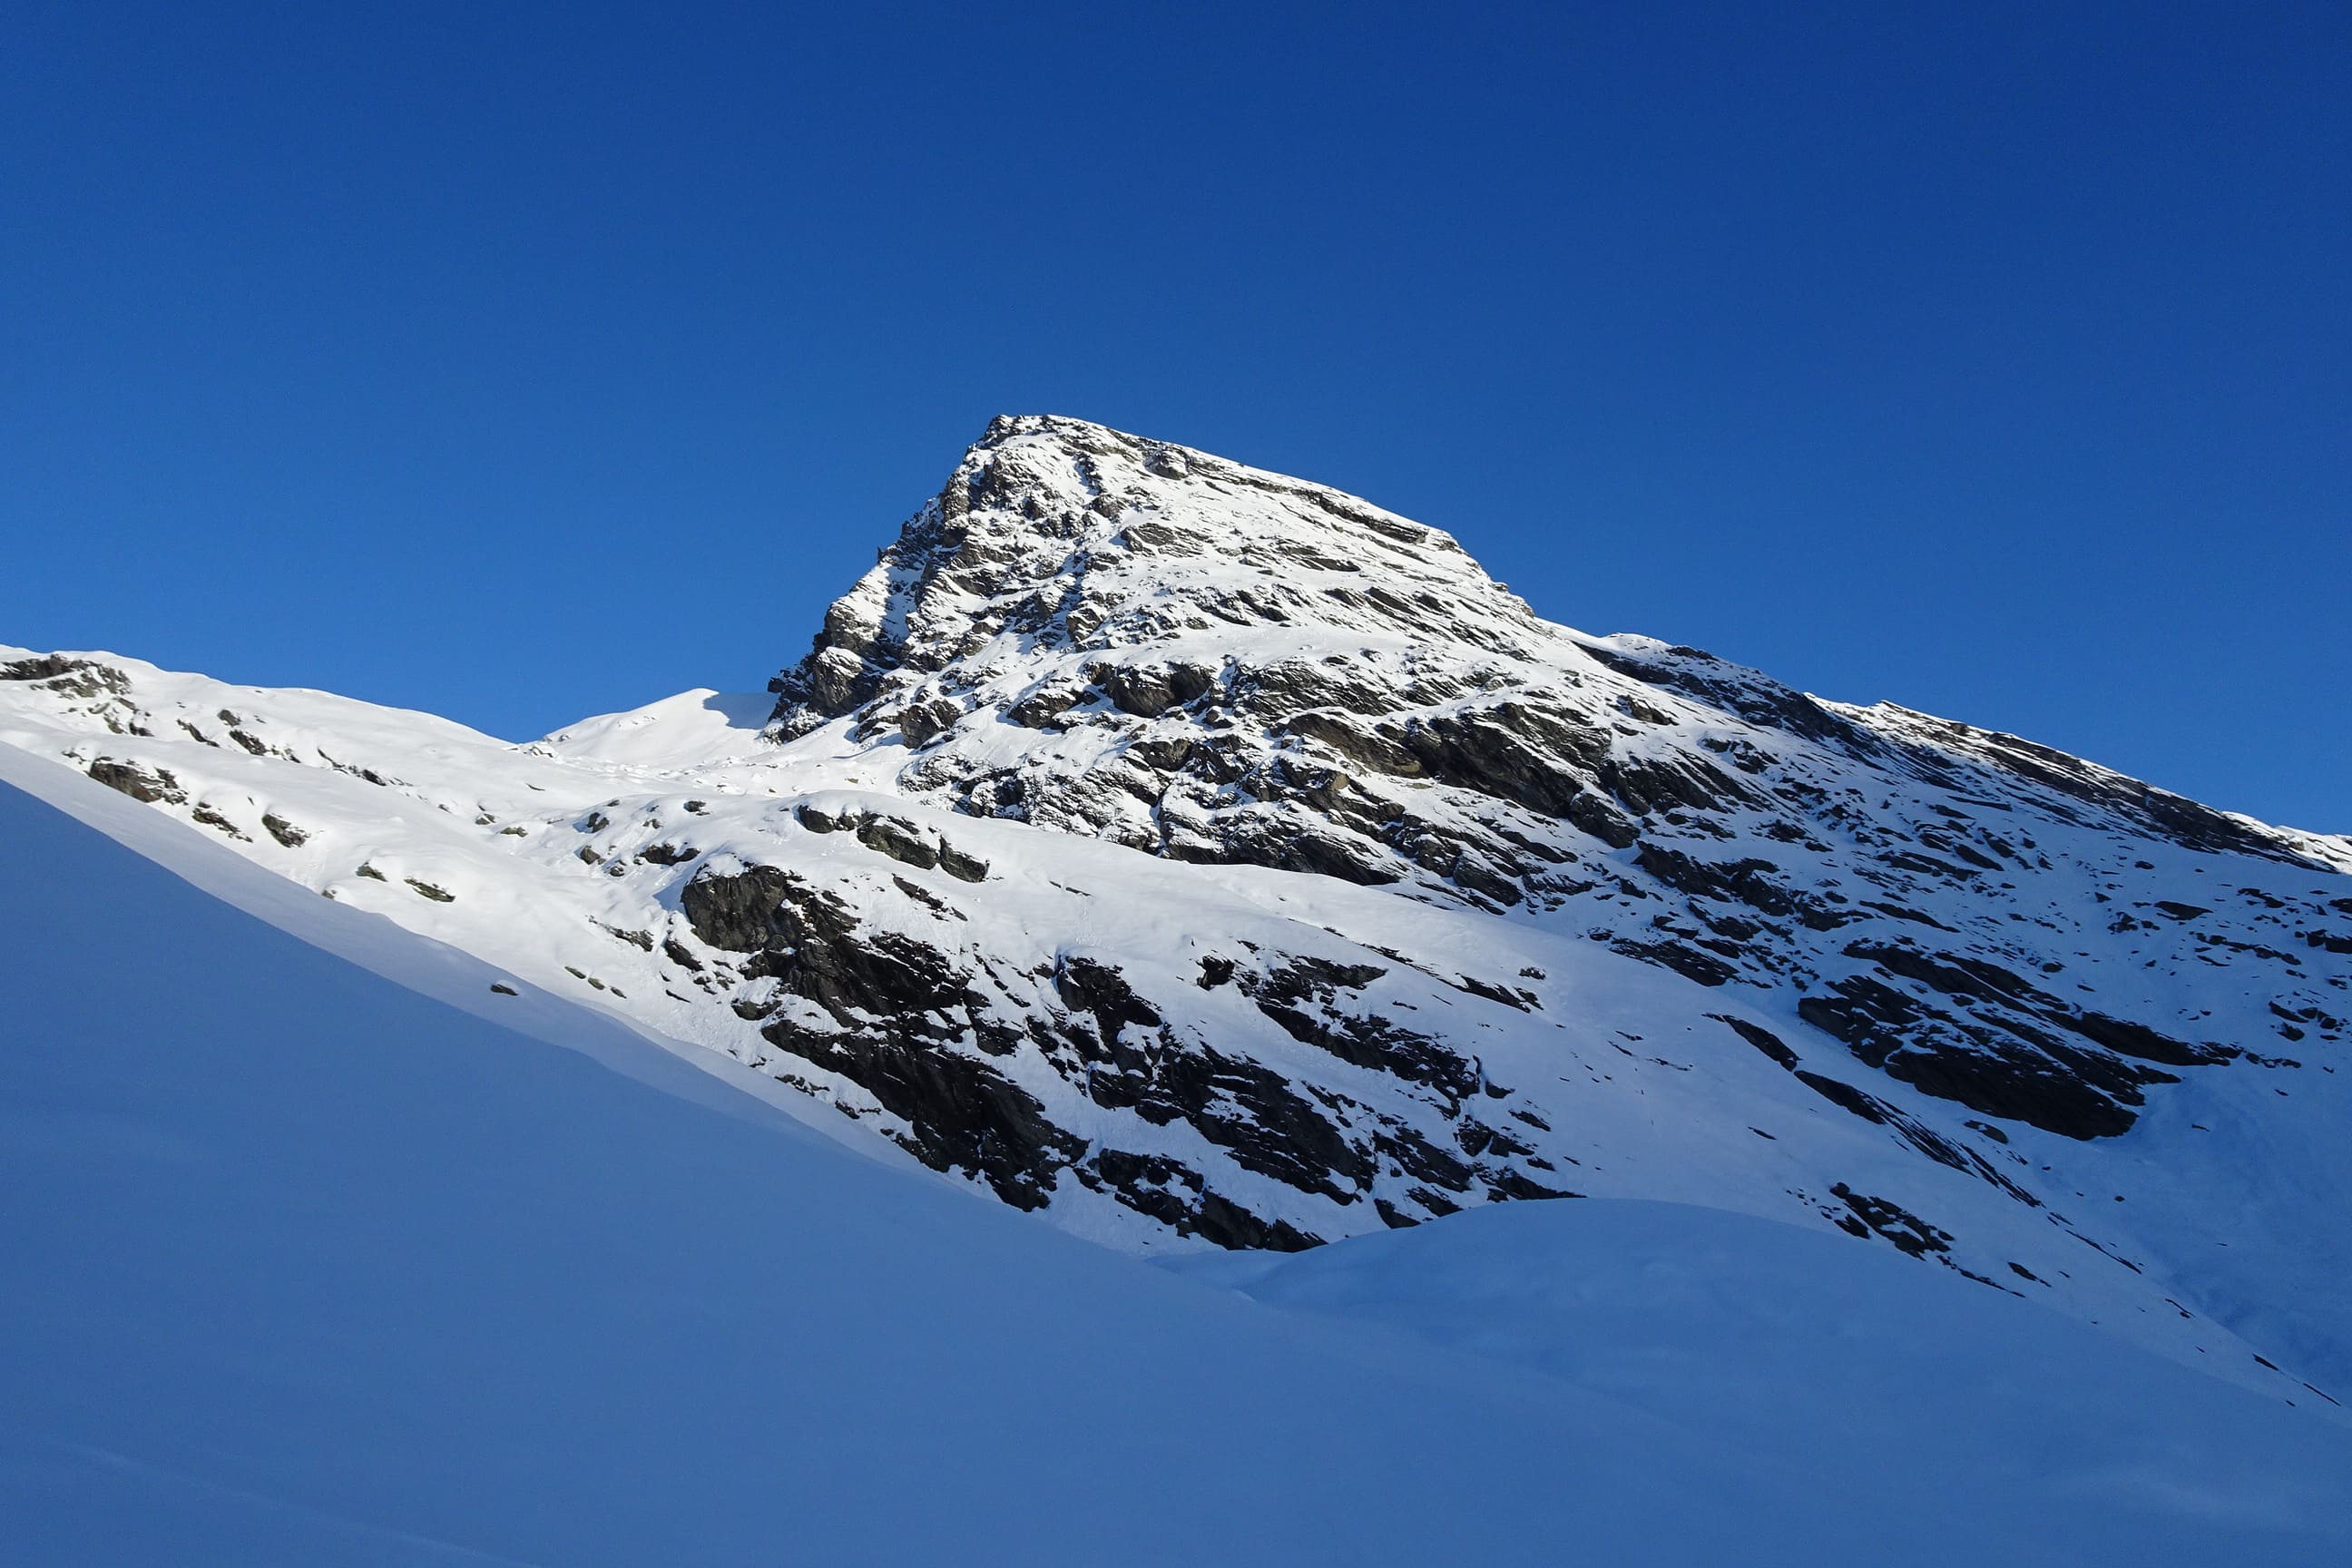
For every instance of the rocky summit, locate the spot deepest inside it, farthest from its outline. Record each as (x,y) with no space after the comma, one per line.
(1203,857)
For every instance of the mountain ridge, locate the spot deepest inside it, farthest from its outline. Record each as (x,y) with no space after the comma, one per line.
(1437,904)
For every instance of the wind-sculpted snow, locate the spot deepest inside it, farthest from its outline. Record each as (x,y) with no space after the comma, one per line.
(1202,856)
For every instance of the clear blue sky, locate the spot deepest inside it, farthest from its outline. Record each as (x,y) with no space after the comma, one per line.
(522,364)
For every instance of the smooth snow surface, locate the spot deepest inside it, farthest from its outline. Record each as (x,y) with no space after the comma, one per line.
(1780,1340)
(299,1265)
(685,731)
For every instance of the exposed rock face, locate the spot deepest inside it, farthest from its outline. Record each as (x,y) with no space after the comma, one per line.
(66,675)
(1224,666)
(137,782)
(934,1026)
(1221,665)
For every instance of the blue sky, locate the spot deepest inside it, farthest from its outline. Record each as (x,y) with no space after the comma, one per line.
(522,363)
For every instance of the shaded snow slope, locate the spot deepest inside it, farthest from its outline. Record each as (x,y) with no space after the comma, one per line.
(1746,1330)
(302,1266)
(1203,857)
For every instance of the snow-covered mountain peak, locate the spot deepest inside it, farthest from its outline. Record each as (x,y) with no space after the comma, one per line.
(1055,536)
(1094,632)
(1203,856)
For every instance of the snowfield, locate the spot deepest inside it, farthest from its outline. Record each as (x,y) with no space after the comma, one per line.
(307,1266)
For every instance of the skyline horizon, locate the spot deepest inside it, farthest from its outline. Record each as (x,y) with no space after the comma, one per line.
(549,361)
(764,691)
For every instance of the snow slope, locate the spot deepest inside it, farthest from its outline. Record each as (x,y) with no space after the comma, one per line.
(301,1266)
(1202,856)
(1767,1337)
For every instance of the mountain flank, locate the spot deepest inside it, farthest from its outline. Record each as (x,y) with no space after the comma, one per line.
(1203,858)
